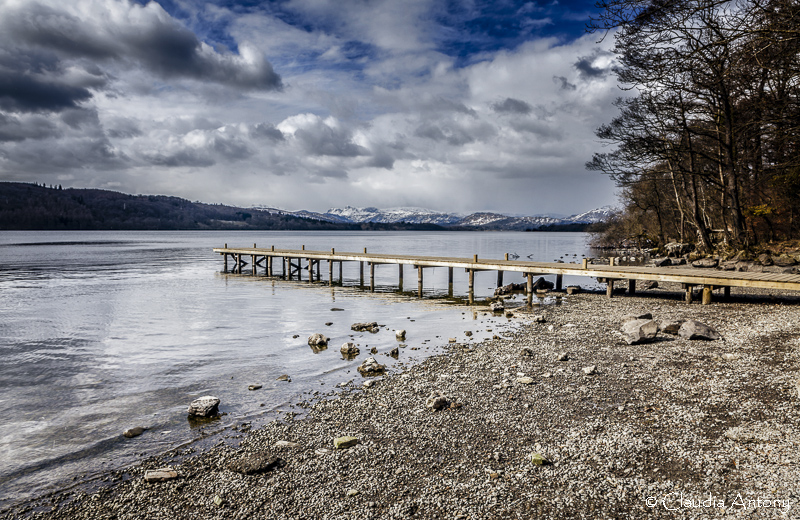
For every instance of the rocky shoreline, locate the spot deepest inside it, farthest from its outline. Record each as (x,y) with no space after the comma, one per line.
(559,418)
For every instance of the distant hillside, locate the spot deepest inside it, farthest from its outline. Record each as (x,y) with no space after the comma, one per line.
(34,207)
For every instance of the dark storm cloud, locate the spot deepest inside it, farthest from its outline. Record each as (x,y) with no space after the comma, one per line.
(22,92)
(185,157)
(512,106)
(318,138)
(266,131)
(51,58)
(65,154)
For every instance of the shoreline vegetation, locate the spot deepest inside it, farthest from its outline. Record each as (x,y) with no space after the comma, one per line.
(32,207)
(558,417)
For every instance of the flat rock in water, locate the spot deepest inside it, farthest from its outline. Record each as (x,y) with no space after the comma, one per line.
(252,464)
(254,387)
(341,443)
(206,406)
(284,377)
(365,327)
(639,331)
(692,329)
(370,367)
(134,432)
(400,334)
(160,475)
(350,350)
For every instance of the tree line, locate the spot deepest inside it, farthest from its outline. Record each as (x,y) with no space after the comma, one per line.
(706,146)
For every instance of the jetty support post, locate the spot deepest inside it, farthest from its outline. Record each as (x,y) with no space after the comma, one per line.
(319,275)
(269,266)
(253,259)
(341,280)
(450,282)
(284,271)
(419,281)
(609,288)
(726,291)
(400,277)
(631,287)
(372,276)
(689,289)
(500,274)
(707,294)
(529,288)
(559,281)
(471,293)
(330,272)
(238,267)
(310,270)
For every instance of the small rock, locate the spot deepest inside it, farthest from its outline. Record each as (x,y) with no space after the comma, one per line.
(730,356)
(765,259)
(395,353)
(573,289)
(350,350)
(539,319)
(160,475)
(328,323)
(296,336)
(368,384)
(590,370)
(370,367)
(373,350)
(451,340)
(526,351)
(705,263)
(284,377)
(352,492)
(436,401)
(286,444)
(649,285)
(322,451)
(206,406)
(662,262)
(497,307)
(468,333)
(254,387)
(525,380)
(563,356)
(341,443)
(218,501)
(538,459)
(509,314)
(400,334)
(336,309)
(252,464)
(692,329)
(317,340)
(134,432)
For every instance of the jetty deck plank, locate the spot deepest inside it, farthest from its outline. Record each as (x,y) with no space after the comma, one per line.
(689,276)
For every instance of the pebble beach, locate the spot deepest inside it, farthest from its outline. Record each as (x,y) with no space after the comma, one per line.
(556,417)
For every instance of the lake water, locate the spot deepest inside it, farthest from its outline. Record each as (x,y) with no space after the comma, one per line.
(104,331)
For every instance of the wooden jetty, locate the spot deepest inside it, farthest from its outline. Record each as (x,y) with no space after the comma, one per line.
(291,267)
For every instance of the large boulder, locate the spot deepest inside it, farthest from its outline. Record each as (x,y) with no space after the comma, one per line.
(670,326)
(677,249)
(508,289)
(639,331)
(662,262)
(206,406)
(765,259)
(370,367)
(692,329)
(784,260)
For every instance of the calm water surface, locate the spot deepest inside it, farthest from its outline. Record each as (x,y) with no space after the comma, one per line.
(103,331)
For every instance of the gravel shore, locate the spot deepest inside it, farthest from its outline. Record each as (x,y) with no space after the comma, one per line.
(669,429)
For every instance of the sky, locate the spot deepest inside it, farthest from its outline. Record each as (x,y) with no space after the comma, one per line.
(451,105)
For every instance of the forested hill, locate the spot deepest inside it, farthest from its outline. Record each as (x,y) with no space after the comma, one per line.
(35,207)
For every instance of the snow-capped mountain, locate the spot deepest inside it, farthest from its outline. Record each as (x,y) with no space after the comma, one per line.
(480,220)
(594,216)
(408,215)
